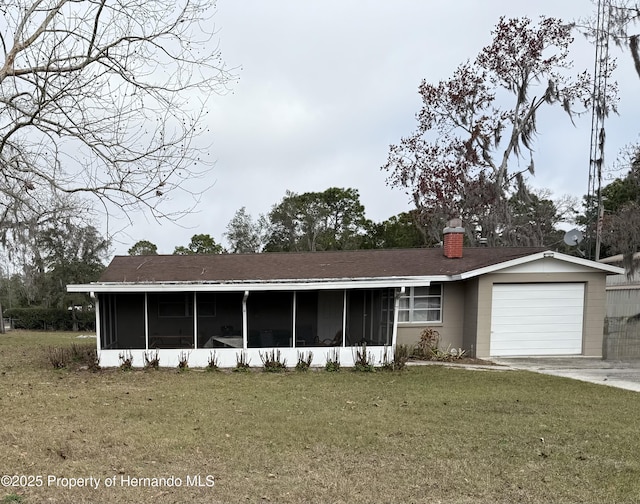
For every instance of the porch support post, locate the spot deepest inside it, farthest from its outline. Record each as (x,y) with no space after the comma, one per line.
(195,320)
(344,316)
(146,321)
(396,306)
(96,304)
(293,329)
(245,328)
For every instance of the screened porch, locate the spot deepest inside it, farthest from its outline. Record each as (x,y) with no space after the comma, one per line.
(245,320)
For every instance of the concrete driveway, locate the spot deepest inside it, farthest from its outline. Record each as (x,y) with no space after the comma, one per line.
(621,374)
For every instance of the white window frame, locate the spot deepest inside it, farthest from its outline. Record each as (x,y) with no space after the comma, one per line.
(409,298)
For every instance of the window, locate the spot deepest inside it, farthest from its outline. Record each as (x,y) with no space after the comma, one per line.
(421,304)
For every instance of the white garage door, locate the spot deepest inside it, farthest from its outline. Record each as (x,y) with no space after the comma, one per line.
(537,319)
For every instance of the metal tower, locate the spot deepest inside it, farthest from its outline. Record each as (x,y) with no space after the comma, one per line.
(595,209)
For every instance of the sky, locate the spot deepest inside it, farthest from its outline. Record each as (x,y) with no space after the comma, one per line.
(324,87)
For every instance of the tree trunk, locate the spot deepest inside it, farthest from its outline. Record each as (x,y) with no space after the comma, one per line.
(1,321)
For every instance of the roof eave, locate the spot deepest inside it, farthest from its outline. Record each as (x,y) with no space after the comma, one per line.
(547,254)
(261,285)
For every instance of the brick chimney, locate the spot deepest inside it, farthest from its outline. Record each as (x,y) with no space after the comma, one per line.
(453,238)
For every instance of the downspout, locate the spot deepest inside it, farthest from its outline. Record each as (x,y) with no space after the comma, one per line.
(396,307)
(245,329)
(96,304)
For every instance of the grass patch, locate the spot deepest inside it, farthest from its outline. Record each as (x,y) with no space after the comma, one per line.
(12,499)
(429,434)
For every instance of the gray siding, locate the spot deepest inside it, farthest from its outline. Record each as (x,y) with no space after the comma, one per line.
(470,316)
(622,328)
(453,320)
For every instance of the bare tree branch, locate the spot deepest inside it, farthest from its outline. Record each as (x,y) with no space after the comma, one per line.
(106,100)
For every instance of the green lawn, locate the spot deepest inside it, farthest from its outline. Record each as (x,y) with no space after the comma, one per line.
(430,434)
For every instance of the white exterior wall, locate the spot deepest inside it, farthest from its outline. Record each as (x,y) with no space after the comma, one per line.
(199,358)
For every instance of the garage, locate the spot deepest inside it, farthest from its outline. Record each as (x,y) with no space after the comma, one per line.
(537,319)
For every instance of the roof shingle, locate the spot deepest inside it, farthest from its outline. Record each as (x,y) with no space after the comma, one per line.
(291,266)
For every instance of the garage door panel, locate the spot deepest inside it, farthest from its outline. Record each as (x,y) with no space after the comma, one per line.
(526,289)
(525,337)
(542,345)
(540,322)
(525,300)
(537,319)
(566,298)
(539,312)
(536,349)
(517,334)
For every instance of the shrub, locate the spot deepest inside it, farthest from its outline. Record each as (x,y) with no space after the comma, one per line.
(272,362)
(429,339)
(386,362)
(151,360)
(242,363)
(78,355)
(58,357)
(78,352)
(448,354)
(213,362)
(427,348)
(333,361)
(126,361)
(52,319)
(92,359)
(183,361)
(364,360)
(401,355)
(304,361)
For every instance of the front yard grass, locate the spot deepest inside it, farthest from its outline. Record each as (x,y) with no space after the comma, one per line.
(430,434)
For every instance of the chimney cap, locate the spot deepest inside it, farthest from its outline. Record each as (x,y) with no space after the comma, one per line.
(454,226)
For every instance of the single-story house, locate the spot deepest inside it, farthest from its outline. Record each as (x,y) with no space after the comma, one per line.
(489,301)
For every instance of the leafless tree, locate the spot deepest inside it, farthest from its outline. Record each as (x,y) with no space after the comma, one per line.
(104,100)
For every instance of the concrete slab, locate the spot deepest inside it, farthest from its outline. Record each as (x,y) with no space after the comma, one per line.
(620,374)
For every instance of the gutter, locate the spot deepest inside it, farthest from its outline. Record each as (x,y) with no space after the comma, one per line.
(249,285)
